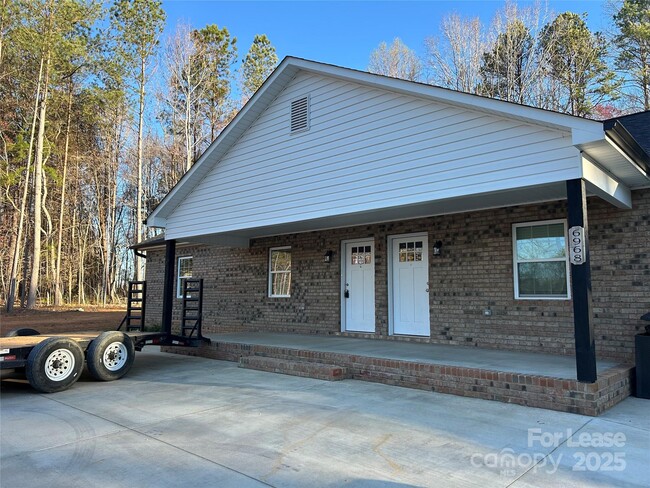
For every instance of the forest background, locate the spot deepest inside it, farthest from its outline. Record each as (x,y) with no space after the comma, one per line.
(101,113)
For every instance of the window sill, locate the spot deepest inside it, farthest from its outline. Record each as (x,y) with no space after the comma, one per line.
(541,297)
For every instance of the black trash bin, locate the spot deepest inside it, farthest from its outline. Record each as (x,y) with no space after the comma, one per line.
(642,353)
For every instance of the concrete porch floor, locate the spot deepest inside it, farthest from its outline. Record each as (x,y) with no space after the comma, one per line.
(468,357)
(523,378)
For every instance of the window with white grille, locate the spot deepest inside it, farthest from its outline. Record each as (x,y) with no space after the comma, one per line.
(184,271)
(280,272)
(300,115)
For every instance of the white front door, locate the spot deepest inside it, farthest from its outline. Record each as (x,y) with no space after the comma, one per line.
(410,285)
(359,286)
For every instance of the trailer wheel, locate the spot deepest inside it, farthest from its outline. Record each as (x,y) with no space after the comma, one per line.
(110,356)
(54,364)
(22,332)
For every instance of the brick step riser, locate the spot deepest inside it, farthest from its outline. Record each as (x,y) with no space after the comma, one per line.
(328,372)
(535,391)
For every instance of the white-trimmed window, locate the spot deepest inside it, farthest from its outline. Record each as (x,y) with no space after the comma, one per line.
(541,264)
(280,272)
(184,271)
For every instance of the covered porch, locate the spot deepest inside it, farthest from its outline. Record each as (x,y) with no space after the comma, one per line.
(524,378)
(454,195)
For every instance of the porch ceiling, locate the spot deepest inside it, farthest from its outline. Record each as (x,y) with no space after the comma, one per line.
(483,201)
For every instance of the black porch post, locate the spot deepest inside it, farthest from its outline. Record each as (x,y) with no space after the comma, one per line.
(168,286)
(581,285)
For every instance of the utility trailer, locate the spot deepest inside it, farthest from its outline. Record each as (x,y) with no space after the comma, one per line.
(54,362)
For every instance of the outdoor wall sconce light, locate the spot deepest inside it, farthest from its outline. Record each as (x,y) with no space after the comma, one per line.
(437,247)
(328,256)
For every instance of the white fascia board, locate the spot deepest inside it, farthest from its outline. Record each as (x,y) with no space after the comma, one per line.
(156,221)
(606,186)
(582,136)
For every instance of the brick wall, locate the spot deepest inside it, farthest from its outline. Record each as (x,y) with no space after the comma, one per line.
(473,273)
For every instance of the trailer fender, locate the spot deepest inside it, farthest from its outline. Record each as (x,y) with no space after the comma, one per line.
(22,332)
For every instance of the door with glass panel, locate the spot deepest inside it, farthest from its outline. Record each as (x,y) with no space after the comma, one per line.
(410,285)
(359,286)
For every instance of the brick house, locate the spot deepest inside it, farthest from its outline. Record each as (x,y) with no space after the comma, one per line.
(340,202)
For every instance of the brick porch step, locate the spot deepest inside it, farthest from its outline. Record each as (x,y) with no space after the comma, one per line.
(554,393)
(320,371)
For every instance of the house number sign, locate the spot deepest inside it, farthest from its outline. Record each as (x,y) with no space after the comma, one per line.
(577,245)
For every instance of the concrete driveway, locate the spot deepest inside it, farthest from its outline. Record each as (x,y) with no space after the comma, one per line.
(180,421)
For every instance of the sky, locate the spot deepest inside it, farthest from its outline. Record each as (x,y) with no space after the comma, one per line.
(345,33)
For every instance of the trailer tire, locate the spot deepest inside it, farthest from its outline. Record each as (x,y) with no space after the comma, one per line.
(110,356)
(54,364)
(22,332)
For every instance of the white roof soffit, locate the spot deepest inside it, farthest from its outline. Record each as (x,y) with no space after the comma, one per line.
(584,132)
(616,161)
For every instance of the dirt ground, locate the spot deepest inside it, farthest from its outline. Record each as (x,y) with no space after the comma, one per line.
(62,319)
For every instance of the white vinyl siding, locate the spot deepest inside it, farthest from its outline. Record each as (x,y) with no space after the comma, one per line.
(366,149)
(184,271)
(280,272)
(541,263)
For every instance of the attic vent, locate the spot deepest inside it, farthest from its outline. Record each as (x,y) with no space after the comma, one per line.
(300,114)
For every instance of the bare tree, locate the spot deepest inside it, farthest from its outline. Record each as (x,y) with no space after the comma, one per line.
(11,296)
(46,56)
(184,60)
(396,61)
(454,60)
(139,24)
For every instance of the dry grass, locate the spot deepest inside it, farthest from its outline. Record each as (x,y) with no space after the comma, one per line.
(63,319)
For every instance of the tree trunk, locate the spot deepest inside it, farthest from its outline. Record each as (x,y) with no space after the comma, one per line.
(138,213)
(72,241)
(38,188)
(114,218)
(645,63)
(3,20)
(188,124)
(47,232)
(58,296)
(81,272)
(11,297)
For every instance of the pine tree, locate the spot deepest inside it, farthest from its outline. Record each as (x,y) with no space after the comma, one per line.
(258,64)
(576,59)
(633,42)
(218,52)
(504,68)
(139,24)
